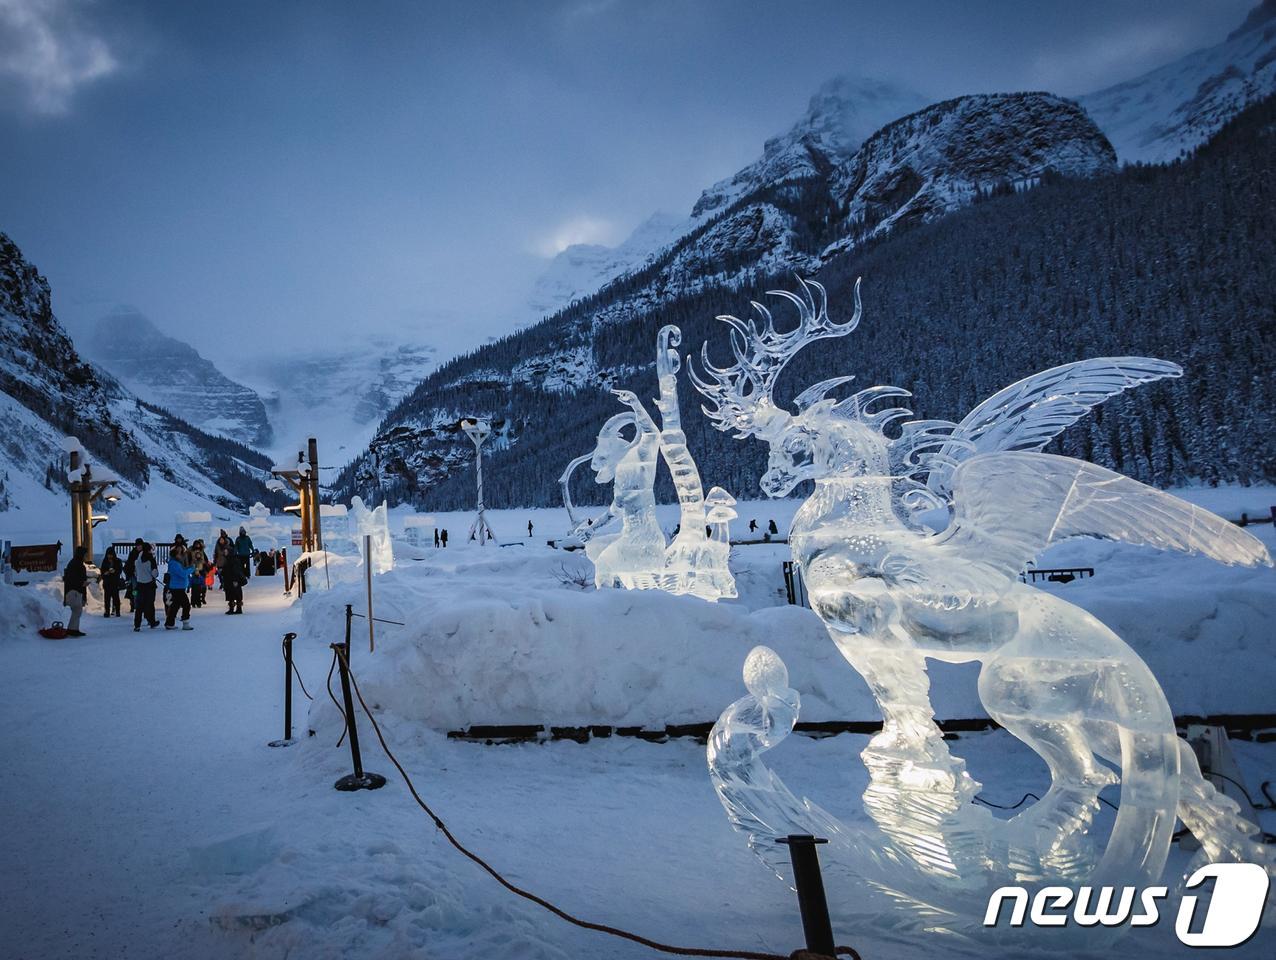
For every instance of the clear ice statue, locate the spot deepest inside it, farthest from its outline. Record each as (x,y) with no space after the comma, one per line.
(891,593)
(373,523)
(637,557)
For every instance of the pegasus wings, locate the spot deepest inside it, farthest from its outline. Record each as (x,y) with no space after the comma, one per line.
(1029,414)
(1008,507)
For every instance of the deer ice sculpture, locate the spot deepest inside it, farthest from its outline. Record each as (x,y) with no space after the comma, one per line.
(892,593)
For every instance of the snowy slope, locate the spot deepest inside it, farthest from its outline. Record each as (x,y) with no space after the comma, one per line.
(170,373)
(1161,115)
(585,267)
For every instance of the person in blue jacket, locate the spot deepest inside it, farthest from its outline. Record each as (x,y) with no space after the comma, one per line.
(179,580)
(244,550)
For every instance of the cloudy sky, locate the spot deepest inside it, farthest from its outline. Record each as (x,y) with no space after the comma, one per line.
(243,172)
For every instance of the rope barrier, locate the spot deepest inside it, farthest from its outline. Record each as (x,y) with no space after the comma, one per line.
(540,901)
(345,725)
(297,673)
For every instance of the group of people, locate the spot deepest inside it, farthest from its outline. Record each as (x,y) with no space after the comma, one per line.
(188,574)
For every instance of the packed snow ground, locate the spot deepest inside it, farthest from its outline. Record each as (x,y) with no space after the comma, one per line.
(154,821)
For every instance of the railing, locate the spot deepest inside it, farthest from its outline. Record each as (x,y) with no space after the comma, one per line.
(794,588)
(1061,575)
(161,550)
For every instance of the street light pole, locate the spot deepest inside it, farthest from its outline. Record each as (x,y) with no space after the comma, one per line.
(478,431)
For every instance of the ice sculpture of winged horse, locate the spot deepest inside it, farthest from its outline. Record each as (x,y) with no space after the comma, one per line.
(891,593)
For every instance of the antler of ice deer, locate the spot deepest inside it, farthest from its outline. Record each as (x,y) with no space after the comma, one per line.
(742,394)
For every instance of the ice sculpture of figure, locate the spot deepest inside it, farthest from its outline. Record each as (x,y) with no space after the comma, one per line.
(634,558)
(694,562)
(375,524)
(892,593)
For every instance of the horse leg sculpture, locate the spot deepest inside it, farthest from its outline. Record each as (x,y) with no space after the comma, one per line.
(919,794)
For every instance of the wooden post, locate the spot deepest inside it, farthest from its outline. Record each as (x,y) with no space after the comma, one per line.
(367,567)
(77,524)
(317,529)
(86,514)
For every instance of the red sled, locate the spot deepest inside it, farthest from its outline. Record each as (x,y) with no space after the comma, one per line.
(55,632)
(209,578)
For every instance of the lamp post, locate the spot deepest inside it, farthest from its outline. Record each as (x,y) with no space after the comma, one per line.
(303,478)
(86,489)
(478,431)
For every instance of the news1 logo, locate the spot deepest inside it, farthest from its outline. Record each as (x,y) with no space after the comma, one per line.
(1230,917)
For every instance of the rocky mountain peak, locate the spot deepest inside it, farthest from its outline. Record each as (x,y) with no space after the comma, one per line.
(172,374)
(1260,16)
(841,115)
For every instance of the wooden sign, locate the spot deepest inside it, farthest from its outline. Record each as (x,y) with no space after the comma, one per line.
(35,558)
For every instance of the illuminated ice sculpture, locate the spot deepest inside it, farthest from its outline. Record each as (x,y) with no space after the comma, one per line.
(637,557)
(891,593)
(374,523)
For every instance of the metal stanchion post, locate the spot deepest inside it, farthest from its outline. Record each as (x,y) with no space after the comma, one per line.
(359,780)
(287,741)
(810,892)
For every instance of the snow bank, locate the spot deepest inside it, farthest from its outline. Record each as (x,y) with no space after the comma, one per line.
(505,636)
(24,610)
(509,636)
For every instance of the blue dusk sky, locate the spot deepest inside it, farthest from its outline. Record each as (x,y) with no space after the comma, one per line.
(240,170)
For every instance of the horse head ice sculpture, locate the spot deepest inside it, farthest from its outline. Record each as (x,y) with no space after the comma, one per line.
(892,593)
(637,557)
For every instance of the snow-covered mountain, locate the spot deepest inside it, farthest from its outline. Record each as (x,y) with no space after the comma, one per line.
(1163,114)
(913,170)
(794,217)
(48,391)
(339,396)
(841,115)
(585,267)
(170,373)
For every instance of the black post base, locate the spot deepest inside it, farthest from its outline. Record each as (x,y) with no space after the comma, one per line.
(281,743)
(368,781)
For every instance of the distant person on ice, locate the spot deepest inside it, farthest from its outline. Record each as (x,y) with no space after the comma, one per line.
(244,550)
(111,576)
(179,581)
(529,529)
(753,526)
(144,574)
(771,528)
(436,538)
(75,579)
(233,580)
